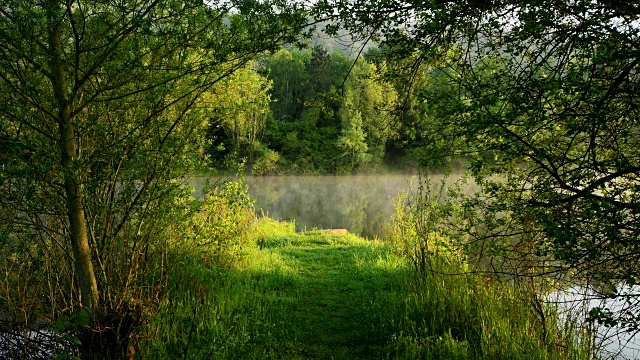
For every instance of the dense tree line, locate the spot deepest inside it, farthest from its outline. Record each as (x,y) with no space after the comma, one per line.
(327,114)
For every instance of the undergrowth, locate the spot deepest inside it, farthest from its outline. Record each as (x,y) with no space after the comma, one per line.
(455,311)
(289,296)
(256,289)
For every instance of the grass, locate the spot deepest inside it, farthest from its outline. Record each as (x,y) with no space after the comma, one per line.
(292,296)
(315,296)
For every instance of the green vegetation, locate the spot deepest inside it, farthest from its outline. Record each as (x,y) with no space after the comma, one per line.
(326,115)
(107,107)
(291,296)
(314,112)
(541,98)
(103,116)
(314,296)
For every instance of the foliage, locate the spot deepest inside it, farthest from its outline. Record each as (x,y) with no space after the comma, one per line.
(304,128)
(455,313)
(103,118)
(286,69)
(368,117)
(314,296)
(423,139)
(317,97)
(544,94)
(418,230)
(352,140)
(268,162)
(307,145)
(240,105)
(221,223)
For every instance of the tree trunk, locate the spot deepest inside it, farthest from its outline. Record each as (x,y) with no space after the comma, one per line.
(85,276)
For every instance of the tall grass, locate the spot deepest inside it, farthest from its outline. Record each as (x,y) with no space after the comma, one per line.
(455,312)
(208,314)
(289,296)
(475,317)
(276,294)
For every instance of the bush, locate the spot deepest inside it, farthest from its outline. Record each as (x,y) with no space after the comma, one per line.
(459,311)
(222,221)
(268,162)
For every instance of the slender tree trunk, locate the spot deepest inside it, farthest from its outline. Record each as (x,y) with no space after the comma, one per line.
(85,275)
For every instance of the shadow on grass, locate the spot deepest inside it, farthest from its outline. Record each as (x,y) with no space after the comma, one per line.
(345,300)
(301,297)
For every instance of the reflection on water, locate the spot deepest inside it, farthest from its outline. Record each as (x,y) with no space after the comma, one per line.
(360,204)
(614,342)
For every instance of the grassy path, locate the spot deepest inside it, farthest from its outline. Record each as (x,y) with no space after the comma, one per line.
(344,293)
(293,297)
(313,296)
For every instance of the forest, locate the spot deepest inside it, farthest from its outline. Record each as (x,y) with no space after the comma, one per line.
(312,112)
(110,108)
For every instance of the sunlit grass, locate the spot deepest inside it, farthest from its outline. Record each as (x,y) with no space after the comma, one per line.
(310,296)
(290,296)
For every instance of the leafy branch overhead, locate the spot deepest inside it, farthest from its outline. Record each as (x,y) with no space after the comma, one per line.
(544,96)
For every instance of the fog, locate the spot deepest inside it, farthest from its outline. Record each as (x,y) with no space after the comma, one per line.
(362,204)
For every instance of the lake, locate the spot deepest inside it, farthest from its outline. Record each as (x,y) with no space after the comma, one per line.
(362,204)
(615,343)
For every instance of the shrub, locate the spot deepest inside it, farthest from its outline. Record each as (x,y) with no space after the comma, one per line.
(459,310)
(221,222)
(268,162)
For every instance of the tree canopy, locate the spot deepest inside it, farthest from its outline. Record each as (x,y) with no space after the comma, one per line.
(543,95)
(102,116)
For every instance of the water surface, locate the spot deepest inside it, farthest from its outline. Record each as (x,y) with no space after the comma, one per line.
(362,204)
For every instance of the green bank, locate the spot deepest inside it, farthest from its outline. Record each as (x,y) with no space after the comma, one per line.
(321,296)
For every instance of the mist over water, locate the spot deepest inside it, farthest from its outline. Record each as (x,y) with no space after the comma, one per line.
(362,204)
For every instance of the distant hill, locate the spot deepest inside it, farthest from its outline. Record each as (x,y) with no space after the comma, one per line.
(343,42)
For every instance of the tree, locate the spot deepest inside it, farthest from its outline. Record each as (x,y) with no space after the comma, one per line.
(102,106)
(548,90)
(305,127)
(421,138)
(286,69)
(368,117)
(240,104)
(376,101)
(352,140)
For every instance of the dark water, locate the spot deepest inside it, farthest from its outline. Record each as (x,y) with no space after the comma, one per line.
(361,204)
